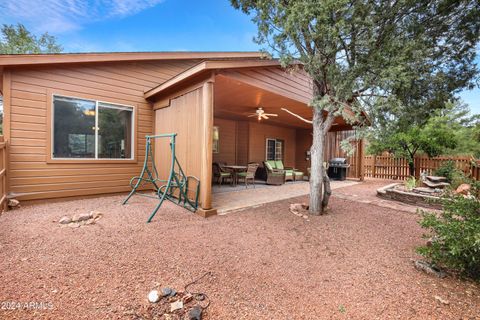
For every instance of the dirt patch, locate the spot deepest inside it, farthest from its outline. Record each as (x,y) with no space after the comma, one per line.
(264,263)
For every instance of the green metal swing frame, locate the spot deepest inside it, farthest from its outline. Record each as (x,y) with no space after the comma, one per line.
(177,182)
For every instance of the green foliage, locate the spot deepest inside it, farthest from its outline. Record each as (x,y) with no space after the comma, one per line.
(434,139)
(373,52)
(456,234)
(369,54)
(410,183)
(454,176)
(17,40)
(439,135)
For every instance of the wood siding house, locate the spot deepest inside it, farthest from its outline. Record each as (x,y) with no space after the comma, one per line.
(56,150)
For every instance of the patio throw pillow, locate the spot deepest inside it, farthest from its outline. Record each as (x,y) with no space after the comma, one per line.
(269,165)
(279,164)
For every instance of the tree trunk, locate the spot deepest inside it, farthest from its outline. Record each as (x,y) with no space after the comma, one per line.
(316,167)
(328,192)
(411,168)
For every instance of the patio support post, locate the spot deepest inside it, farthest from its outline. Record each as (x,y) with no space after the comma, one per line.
(206,156)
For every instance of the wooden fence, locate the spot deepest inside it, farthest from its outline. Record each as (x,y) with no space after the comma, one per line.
(3,174)
(390,167)
(334,150)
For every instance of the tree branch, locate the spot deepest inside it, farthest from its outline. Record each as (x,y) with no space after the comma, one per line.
(298,116)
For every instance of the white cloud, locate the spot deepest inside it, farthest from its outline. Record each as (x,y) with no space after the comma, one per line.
(57,16)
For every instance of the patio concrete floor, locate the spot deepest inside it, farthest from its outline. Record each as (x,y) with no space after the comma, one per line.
(227,201)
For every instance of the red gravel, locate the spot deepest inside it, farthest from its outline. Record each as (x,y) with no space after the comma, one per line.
(266,263)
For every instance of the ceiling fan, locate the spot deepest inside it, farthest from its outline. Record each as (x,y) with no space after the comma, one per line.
(260,114)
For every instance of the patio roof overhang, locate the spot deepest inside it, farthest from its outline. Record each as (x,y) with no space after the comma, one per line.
(239,91)
(204,68)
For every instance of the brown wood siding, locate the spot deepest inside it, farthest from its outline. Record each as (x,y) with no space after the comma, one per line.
(227,141)
(30,176)
(258,134)
(303,144)
(183,117)
(242,142)
(233,141)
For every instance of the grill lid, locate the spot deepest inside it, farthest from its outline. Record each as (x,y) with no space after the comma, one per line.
(338,162)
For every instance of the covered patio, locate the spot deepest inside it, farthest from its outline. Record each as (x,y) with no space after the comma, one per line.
(210,107)
(240,198)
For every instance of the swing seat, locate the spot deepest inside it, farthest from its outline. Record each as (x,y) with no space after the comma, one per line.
(176,188)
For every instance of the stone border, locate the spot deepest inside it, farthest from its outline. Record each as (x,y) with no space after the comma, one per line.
(390,193)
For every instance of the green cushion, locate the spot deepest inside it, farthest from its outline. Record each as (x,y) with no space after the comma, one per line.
(270,165)
(298,173)
(242,174)
(279,164)
(224,174)
(289,172)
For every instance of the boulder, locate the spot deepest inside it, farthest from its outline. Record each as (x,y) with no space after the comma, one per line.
(464,188)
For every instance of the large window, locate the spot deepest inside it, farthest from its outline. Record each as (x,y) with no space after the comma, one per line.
(91,129)
(274,149)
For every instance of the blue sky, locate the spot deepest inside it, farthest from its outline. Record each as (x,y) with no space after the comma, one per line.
(144,25)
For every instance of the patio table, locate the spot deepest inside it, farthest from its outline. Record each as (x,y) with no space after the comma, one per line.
(235,169)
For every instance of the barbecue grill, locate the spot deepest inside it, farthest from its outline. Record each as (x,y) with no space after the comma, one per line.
(337,168)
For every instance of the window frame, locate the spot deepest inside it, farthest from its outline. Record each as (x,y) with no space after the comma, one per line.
(50,128)
(275,150)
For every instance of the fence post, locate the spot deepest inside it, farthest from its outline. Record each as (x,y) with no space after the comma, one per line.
(361,160)
(374,166)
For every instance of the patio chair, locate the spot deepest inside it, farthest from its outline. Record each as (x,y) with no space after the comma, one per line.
(220,174)
(274,176)
(249,174)
(291,174)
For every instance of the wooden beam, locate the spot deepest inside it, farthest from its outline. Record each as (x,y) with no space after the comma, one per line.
(206,141)
(7,101)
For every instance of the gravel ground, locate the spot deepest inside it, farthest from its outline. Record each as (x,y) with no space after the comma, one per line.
(265,263)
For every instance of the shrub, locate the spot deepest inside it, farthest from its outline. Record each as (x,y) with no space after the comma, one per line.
(455,233)
(454,176)
(410,183)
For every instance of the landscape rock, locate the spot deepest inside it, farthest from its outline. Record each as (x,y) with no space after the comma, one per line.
(464,188)
(176,305)
(153,296)
(65,220)
(442,301)
(436,178)
(426,267)
(299,209)
(13,203)
(195,313)
(84,217)
(166,291)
